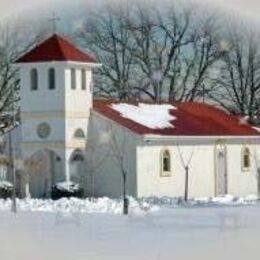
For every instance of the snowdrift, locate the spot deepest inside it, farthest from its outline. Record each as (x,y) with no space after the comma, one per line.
(114,206)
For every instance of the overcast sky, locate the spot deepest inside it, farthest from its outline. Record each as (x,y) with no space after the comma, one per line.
(8,8)
(249,8)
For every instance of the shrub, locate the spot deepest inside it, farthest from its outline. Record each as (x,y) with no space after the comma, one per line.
(6,190)
(66,190)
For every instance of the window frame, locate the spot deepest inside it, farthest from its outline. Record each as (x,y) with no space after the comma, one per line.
(34,82)
(245,152)
(73,78)
(83,79)
(51,78)
(82,134)
(165,154)
(77,157)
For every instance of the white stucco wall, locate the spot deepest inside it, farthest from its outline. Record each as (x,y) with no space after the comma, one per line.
(144,164)
(201,173)
(63,108)
(242,182)
(43,99)
(202,168)
(107,175)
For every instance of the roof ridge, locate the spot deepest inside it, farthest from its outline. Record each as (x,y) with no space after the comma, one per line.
(56,48)
(58,40)
(70,42)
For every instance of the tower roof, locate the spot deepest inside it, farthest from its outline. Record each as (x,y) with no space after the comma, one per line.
(56,48)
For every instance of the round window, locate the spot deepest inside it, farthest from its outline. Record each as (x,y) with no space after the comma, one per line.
(43,130)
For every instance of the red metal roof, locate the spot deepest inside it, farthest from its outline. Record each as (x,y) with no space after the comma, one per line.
(56,48)
(192,119)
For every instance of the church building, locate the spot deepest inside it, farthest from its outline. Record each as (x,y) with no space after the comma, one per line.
(94,143)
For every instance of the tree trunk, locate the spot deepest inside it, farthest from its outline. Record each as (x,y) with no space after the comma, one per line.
(27,187)
(92,185)
(125,199)
(12,171)
(258,183)
(186,183)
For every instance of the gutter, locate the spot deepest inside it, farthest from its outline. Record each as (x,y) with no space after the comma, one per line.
(150,137)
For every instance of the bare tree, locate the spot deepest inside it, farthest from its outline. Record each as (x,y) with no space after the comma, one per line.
(186,166)
(26,166)
(11,47)
(256,157)
(191,49)
(237,87)
(157,39)
(94,163)
(199,60)
(9,81)
(105,33)
(13,43)
(118,143)
(150,52)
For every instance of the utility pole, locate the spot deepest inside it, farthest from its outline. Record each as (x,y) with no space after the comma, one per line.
(12,154)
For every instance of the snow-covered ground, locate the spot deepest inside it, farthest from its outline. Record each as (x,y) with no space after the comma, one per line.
(112,206)
(166,228)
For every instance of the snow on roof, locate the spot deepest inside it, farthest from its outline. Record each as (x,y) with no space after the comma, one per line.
(154,116)
(256,128)
(67,186)
(6,184)
(189,119)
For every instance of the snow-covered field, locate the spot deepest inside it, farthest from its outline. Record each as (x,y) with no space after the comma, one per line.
(166,228)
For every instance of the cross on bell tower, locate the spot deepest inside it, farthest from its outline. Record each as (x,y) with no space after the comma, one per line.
(53,20)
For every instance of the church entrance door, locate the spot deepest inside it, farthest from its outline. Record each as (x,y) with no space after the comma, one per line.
(221,186)
(44,174)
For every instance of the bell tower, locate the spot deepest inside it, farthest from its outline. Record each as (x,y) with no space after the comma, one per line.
(56,98)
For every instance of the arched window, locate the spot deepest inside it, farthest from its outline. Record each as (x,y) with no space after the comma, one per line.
(51,78)
(34,79)
(77,158)
(73,78)
(77,167)
(246,158)
(79,133)
(83,79)
(165,163)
